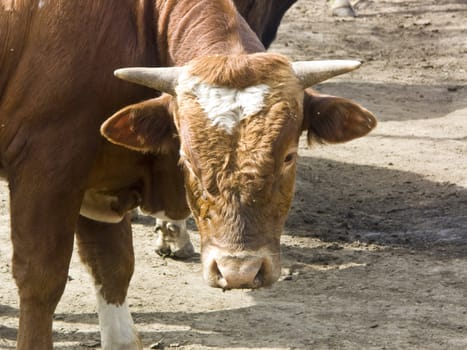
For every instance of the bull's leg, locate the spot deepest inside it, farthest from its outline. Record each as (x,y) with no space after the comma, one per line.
(42,225)
(107,249)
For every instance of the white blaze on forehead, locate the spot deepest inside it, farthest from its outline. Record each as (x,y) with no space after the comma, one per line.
(224,106)
(116,324)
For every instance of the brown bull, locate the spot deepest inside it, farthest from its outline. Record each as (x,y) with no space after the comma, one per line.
(233,113)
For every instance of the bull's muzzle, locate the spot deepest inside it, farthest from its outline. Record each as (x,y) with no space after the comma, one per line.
(228,270)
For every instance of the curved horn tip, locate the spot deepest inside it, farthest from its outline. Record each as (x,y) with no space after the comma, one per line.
(343,64)
(314,72)
(163,79)
(117,72)
(355,63)
(121,72)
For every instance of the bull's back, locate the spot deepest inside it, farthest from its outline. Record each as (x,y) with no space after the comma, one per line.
(57,60)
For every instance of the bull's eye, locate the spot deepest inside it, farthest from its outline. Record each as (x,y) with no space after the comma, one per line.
(289,158)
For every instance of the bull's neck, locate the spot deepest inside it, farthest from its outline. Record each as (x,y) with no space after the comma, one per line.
(188,29)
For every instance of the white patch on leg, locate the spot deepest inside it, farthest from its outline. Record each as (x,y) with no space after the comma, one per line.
(224,106)
(117,328)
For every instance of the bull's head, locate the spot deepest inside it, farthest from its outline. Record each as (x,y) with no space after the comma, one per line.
(239,119)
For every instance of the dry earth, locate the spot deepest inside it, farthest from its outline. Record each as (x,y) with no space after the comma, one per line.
(374,251)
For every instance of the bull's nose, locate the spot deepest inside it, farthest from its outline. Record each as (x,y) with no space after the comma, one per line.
(239,271)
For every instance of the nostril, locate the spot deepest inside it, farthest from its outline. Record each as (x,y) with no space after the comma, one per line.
(232,271)
(265,276)
(220,280)
(215,269)
(259,278)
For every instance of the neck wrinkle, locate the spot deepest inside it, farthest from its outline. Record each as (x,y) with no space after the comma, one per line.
(190,29)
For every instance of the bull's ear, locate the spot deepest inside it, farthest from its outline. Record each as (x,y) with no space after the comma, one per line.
(334,119)
(146,127)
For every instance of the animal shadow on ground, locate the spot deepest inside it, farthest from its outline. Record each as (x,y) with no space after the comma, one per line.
(336,201)
(401,102)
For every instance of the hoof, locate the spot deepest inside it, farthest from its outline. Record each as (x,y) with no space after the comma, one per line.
(185,252)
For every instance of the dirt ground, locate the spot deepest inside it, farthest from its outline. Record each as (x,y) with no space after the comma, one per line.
(375,248)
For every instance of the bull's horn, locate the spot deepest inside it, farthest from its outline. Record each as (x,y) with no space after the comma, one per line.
(163,79)
(313,72)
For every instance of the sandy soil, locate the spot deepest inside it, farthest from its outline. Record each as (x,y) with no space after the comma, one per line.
(375,245)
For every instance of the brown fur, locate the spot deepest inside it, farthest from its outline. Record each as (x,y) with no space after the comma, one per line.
(334,119)
(98,252)
(132,124)
(243,192)
(240,184)
(241,71)
(202,29)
